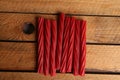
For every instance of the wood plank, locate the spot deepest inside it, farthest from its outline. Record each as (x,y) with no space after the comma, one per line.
(36,76)
(99,29)
(103,58)
(11,25)
(22,56)
(87,7)
(17,56)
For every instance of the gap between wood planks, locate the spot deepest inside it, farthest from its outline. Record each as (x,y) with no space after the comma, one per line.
(58,12)
(86,72)
(88,43)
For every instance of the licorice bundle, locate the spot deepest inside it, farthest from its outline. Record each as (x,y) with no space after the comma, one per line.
(62,45)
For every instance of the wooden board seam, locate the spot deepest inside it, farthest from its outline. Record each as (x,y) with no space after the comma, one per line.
(58,13)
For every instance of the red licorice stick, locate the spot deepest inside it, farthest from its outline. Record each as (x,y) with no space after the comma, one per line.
(76,48)
(53,47)
(47,34)
(65,45)
(83,48)
(59,39)
(71,45)
(40,44)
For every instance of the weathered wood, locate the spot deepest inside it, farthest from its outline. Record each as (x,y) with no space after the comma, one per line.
(103,58)
(22,56)
(86,7)
(99,29)
(36,76)
(11,26)
(17,56)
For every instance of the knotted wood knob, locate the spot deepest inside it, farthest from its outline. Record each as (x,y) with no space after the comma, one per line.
(28,28)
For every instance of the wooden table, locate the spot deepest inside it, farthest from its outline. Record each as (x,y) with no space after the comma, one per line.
(18,50)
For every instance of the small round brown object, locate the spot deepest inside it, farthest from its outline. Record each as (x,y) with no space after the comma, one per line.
(28,28)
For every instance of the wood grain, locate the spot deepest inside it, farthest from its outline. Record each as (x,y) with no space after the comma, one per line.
(22,56)
(103,26)
(36,76)
(11,25)
(103,58)
(86,7)
(99,29)
(17,56)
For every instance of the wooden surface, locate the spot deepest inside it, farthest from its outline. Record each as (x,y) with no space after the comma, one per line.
(17,56)
(18,51)
(99,29)
(22,56)
(85,7)
(36,76)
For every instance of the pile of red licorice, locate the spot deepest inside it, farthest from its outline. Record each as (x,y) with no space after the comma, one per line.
(61,45)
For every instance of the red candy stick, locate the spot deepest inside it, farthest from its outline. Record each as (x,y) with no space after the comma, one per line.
(83,48)
(47,46)
(53,47)
(76,48)
(59,39)
(71,45)
(40,44)
(65,45)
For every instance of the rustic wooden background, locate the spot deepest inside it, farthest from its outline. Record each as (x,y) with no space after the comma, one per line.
(18,50)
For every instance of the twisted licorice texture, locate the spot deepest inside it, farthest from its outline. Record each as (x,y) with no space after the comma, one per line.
(65,45)
(71,45)
(59,39)
(47,33)
(40,44)
(76,48)
(53,47)
(83,48)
